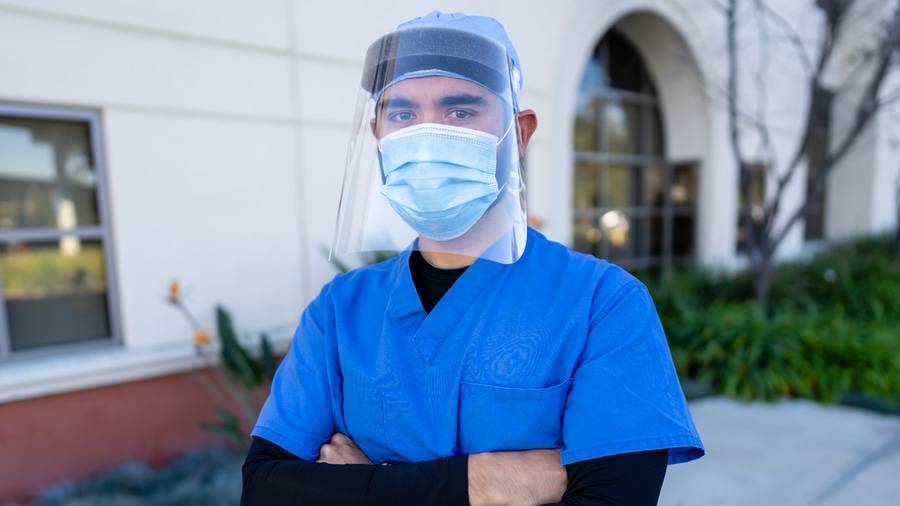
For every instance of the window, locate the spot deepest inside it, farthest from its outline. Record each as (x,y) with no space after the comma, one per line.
(55,267)
(756,174)
(631,205)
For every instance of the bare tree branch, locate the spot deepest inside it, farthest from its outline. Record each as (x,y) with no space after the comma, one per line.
(891,97)
(764,234)
(867,108)
(734,132)
(761,89)
(792,34)
(718,5)
(835,13)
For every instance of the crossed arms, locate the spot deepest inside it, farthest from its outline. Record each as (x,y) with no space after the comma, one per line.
(344,475)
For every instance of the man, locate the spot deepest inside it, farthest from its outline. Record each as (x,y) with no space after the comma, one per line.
(485,364)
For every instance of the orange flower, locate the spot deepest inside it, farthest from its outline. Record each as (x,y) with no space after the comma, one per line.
(174,290)
(200,338)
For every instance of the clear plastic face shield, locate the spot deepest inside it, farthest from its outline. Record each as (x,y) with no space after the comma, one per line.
(433,162)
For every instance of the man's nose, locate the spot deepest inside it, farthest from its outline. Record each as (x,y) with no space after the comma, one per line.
(432,116)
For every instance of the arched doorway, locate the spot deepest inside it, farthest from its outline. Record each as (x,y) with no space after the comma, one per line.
(631,206)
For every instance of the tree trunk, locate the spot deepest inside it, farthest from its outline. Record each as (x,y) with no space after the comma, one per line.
(762,283)
(897,203)
(897,233)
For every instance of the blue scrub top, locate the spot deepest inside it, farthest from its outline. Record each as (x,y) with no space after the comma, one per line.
(557,350)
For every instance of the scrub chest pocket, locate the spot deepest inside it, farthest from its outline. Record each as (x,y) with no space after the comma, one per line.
(496,418)
(490,418)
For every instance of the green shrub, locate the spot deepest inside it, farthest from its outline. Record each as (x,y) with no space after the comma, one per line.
(833,333)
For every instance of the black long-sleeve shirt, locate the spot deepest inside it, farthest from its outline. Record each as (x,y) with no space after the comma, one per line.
(274,476)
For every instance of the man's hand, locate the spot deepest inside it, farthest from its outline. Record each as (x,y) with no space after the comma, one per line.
(340,449)
(520,478)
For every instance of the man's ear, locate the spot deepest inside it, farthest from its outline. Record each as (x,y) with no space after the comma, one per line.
(527,125)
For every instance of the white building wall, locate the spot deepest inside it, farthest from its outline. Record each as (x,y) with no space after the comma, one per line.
(862,196)
(885,197)
(198,130)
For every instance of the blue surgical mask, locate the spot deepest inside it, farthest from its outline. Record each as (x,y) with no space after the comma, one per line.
(440,178)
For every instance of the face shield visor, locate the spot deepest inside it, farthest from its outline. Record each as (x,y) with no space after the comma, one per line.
(433,162)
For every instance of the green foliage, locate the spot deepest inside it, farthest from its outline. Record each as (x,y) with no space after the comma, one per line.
(266,359)
(246,377)
(236,359)
(42,270)
(204,476)
(251,371)
(247,373)
(833,333)
(227,425)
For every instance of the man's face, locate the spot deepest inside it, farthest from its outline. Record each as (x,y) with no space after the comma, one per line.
(444,100)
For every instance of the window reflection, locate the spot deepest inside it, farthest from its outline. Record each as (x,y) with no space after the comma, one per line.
(587,235)
(654,184)
(621,127)
(55,292)
(586,184)
(684,189)
(623,187)
(616,234)
(47,176)
(587,130)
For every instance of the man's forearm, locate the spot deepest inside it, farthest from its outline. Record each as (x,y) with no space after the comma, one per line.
(632,479)
(516,478)
(275,476)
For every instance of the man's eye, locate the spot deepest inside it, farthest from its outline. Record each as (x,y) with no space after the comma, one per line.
(401,116)
(460,114)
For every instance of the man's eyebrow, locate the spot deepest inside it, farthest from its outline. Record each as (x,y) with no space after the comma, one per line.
(464,99)
(396,102)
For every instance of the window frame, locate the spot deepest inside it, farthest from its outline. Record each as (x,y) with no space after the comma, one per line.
(101,233)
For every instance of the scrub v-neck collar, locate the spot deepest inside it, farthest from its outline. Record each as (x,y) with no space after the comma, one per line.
(428,331)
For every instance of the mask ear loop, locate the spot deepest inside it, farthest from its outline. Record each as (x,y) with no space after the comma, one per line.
(520,184)
(502,138)
(511,123)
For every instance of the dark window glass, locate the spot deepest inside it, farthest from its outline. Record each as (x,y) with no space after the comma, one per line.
(757,181)
(683,235)
(587,235)
(626,70)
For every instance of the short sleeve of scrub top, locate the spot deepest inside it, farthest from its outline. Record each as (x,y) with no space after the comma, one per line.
(297,414)
(625,395)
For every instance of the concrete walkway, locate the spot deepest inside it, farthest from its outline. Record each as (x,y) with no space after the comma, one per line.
(788,453)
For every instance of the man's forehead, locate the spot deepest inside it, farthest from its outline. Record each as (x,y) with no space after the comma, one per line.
(449,90)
